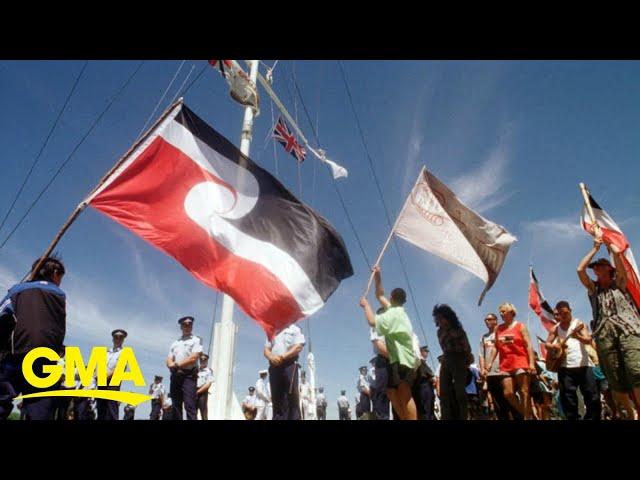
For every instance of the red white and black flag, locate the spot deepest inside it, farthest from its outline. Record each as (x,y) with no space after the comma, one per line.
(191,193)
(612,234)
(538,303)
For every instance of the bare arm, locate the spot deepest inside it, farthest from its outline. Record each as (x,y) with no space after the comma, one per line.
(170,362)
(582,267)
(204,388)
(527,340)
(189,361)
(382,348)
(621,273)
(583,335)
(551,338)
(368,312)
(293,351)
(377,277)
(273,359)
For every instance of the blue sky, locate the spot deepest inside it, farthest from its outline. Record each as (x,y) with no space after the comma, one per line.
(513,139)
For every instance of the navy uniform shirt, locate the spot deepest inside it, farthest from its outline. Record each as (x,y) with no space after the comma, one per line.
(40,309)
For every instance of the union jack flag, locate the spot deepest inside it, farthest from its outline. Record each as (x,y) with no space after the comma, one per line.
(288,140)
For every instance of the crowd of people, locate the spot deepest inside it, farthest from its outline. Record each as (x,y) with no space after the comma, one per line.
(510,380)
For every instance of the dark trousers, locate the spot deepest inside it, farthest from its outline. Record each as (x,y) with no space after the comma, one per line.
(453,380)
(425,397)
(378,389)
(183,390)
(61,405)
(13,383)
(81,409)
(569,380)
(364,405)
(108,409)
(283,380)
(500,404)
(167,414)
(343,414)
(156,410)
(203,400)
(321,413)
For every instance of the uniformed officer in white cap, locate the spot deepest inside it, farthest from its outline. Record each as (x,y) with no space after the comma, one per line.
(205,380)
(108,409)
(183,365)
(167,408)
(282,353)
(321,405)
(249,404)
(156,390)
(129,412)
(343,406)
(263,396)
(363,406)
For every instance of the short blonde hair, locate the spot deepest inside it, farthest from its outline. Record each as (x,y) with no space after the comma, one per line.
(508,307)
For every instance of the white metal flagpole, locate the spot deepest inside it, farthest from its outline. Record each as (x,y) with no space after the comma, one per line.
(223,348)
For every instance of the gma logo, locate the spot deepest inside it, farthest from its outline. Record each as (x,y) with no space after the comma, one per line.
(127,369)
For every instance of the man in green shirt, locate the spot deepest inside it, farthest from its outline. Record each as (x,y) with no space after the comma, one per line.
(395,326)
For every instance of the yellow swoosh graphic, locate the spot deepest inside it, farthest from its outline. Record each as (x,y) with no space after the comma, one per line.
(131,398)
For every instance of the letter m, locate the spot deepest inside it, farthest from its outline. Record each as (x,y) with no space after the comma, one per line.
(97,366)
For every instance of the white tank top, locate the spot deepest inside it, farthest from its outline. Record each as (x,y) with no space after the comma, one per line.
(577,355)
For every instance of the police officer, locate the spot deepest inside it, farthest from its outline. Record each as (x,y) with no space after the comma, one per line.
(33,314)
(423,390)
(205,379)
(182,363)
(249,405)
(83,406)
(156,390)
(364,403)
(109,409)
(167,408)
(343,406)
(282,353)
(263,396)
(61,404)
(321,405)
(305,396)
(129,412)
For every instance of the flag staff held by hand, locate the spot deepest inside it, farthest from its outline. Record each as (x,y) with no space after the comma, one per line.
(587,203)
(393,231)
(82,205)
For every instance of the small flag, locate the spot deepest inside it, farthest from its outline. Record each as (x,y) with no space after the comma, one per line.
(288,140)
(538,303)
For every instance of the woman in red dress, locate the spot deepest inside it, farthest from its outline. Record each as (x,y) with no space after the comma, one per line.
(513,344)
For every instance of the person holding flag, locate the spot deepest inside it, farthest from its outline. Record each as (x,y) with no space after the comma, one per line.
(616,324)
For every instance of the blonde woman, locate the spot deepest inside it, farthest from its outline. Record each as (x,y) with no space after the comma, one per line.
(517,361)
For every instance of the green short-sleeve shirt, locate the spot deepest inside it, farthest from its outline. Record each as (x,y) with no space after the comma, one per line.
(395,326)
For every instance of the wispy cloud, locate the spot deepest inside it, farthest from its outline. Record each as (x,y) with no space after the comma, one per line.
(555,229)
(484,188)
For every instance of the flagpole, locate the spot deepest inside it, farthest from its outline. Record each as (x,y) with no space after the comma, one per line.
(225,331)
(82,205)
(393,229)
(587,203)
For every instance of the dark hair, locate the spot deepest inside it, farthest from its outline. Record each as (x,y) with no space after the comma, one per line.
(49,266)
(380,310)
(491,314)
(447,312)
(563,304)
(398,296)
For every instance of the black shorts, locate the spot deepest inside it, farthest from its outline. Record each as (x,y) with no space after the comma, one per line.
(400,374)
